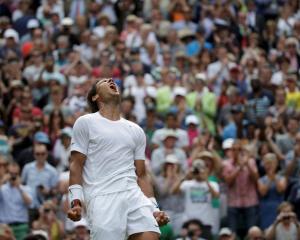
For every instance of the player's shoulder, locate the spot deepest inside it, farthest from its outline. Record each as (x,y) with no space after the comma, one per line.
(133,125)
(86,118)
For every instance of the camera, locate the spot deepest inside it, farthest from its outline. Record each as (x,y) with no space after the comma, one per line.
(198,166)
(195,171)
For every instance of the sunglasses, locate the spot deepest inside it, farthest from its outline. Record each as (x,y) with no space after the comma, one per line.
(47,210)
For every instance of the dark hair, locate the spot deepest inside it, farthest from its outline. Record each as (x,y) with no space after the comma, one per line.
(35,237)
(192,221)
(171,114)
(92,92)
(129,98)
(51,120)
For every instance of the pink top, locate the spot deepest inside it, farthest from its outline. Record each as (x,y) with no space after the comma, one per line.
(242,192)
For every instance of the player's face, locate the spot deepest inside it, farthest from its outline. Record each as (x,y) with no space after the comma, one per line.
(106,89)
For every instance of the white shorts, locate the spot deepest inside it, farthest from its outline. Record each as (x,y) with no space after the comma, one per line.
(116,216)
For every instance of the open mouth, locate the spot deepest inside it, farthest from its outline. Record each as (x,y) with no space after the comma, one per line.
(113,87)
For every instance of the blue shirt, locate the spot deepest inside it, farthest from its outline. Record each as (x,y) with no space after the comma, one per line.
(34,177)
(12,205)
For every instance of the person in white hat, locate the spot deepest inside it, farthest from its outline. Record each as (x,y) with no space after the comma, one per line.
(171,121)
(81,230)
(173,204)
(32,24)
(180,106)
(170,138)
(192,125)
(11,44)
(227,148)
(226,234)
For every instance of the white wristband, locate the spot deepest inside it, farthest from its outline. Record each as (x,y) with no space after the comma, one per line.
(155,206)
(75,192)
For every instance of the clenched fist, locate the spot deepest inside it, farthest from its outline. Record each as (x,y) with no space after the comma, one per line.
(161,218)
(75,213)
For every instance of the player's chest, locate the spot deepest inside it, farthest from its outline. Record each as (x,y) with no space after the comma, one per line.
(113,136)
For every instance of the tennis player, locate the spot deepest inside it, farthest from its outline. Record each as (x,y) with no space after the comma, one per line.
(107,172)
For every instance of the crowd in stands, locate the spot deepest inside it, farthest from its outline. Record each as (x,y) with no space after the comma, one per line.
(213,83)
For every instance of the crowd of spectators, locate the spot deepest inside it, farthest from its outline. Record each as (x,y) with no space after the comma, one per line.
(213,83)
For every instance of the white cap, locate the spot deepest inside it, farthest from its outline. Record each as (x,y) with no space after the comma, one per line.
(185,32)
(171,158)
(225,231)
(191,119)
(11,33)
(228,143)
(41,232)
(81,223)
(67,21)
(67,131)
(201,76)
(170,133)
(199,164)
(180,91)
(33,23)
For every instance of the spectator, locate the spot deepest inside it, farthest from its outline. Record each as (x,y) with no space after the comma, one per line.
(61,151)
(271,188)
(48,221)
(15,213)
(286,141)
(169,147)
(226,234)
(81,230)
(171,124)
(173,204)
(6,232)
(27,155)
(286,224)
(40,176)
(255,233)
(199,192)
(192,230)
(240,174)
(192,124)
(234,129)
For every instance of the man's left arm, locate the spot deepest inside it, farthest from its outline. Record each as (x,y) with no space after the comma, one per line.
(144,182)
(143,179)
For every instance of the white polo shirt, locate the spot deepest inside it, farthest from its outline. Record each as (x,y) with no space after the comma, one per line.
(111,148)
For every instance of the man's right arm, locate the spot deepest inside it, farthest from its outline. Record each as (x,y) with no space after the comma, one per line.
(79,148)
(75,185)
(76,167)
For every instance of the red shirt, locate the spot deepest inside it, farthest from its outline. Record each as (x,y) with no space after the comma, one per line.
(242,192)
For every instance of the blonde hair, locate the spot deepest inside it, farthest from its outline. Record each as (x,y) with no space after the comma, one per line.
(284,205)
(270,157)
